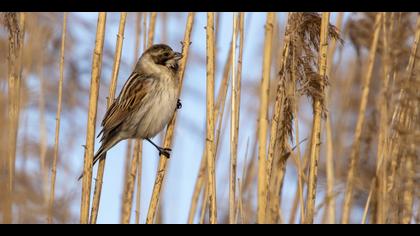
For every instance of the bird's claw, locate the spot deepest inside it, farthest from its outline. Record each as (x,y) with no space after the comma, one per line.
(165,152)
(178,104)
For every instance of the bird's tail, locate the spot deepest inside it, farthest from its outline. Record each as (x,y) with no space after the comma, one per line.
(101,153)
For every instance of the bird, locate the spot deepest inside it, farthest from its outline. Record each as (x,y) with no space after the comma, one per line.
(146,102)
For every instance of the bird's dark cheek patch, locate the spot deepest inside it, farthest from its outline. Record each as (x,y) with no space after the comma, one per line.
(160,60)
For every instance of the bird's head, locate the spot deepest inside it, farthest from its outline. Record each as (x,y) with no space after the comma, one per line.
(162,54)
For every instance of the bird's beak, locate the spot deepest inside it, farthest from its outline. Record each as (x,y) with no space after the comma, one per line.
(177,56)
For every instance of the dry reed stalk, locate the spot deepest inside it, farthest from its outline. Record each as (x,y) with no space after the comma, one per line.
(129,189)
(130,179)
(272,196)
(145,31)
(235,106)
(298,159)
(171,126)
(233,130)
(42,127)
(139,153)
(381,161)
(273,138)
(219,108)
(152,24)
(262,119)
(210,147)
(15,23)
(127,160)
(410,154)
(249,175)
(204,202)
(198,186)
(57,121)
(365,211)
(316,127)
(139,172)
(239,77)
(93,103)
(240,210)
(354,156)
(329,199)
(409,185)
(417,219)
(240,186)
(111,96)
(295,206)
(304,180)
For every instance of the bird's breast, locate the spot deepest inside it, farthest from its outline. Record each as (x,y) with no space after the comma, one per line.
(159,110)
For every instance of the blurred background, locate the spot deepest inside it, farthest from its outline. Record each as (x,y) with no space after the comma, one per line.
(348,69)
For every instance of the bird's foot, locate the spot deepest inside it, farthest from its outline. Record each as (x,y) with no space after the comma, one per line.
(178,104)
(165,152)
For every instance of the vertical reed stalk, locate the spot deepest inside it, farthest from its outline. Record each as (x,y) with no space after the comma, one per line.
(152,24)
(171,126)
(316,127)
(410,155)
(295,206)
(128,156)
(140,146)
(381,162)
(354,156)
(298,158)
(240,210)
(234,125)
(409,185)
(271,147)
(139,171)
(198,186)
(57,121)
(366,209)
(42,128)
(93,103)
(205,201)
(15,23)
(262,119)
(329,199)
(129,189)
(210,152)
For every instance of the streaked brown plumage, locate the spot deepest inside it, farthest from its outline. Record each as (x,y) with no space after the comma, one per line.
(146,102)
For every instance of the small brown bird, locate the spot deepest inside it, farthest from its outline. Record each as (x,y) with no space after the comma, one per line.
(146,103)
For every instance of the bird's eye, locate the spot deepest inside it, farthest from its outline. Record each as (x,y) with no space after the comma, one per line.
(166,54)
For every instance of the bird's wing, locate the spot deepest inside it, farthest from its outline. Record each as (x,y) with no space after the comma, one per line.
(132,94)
